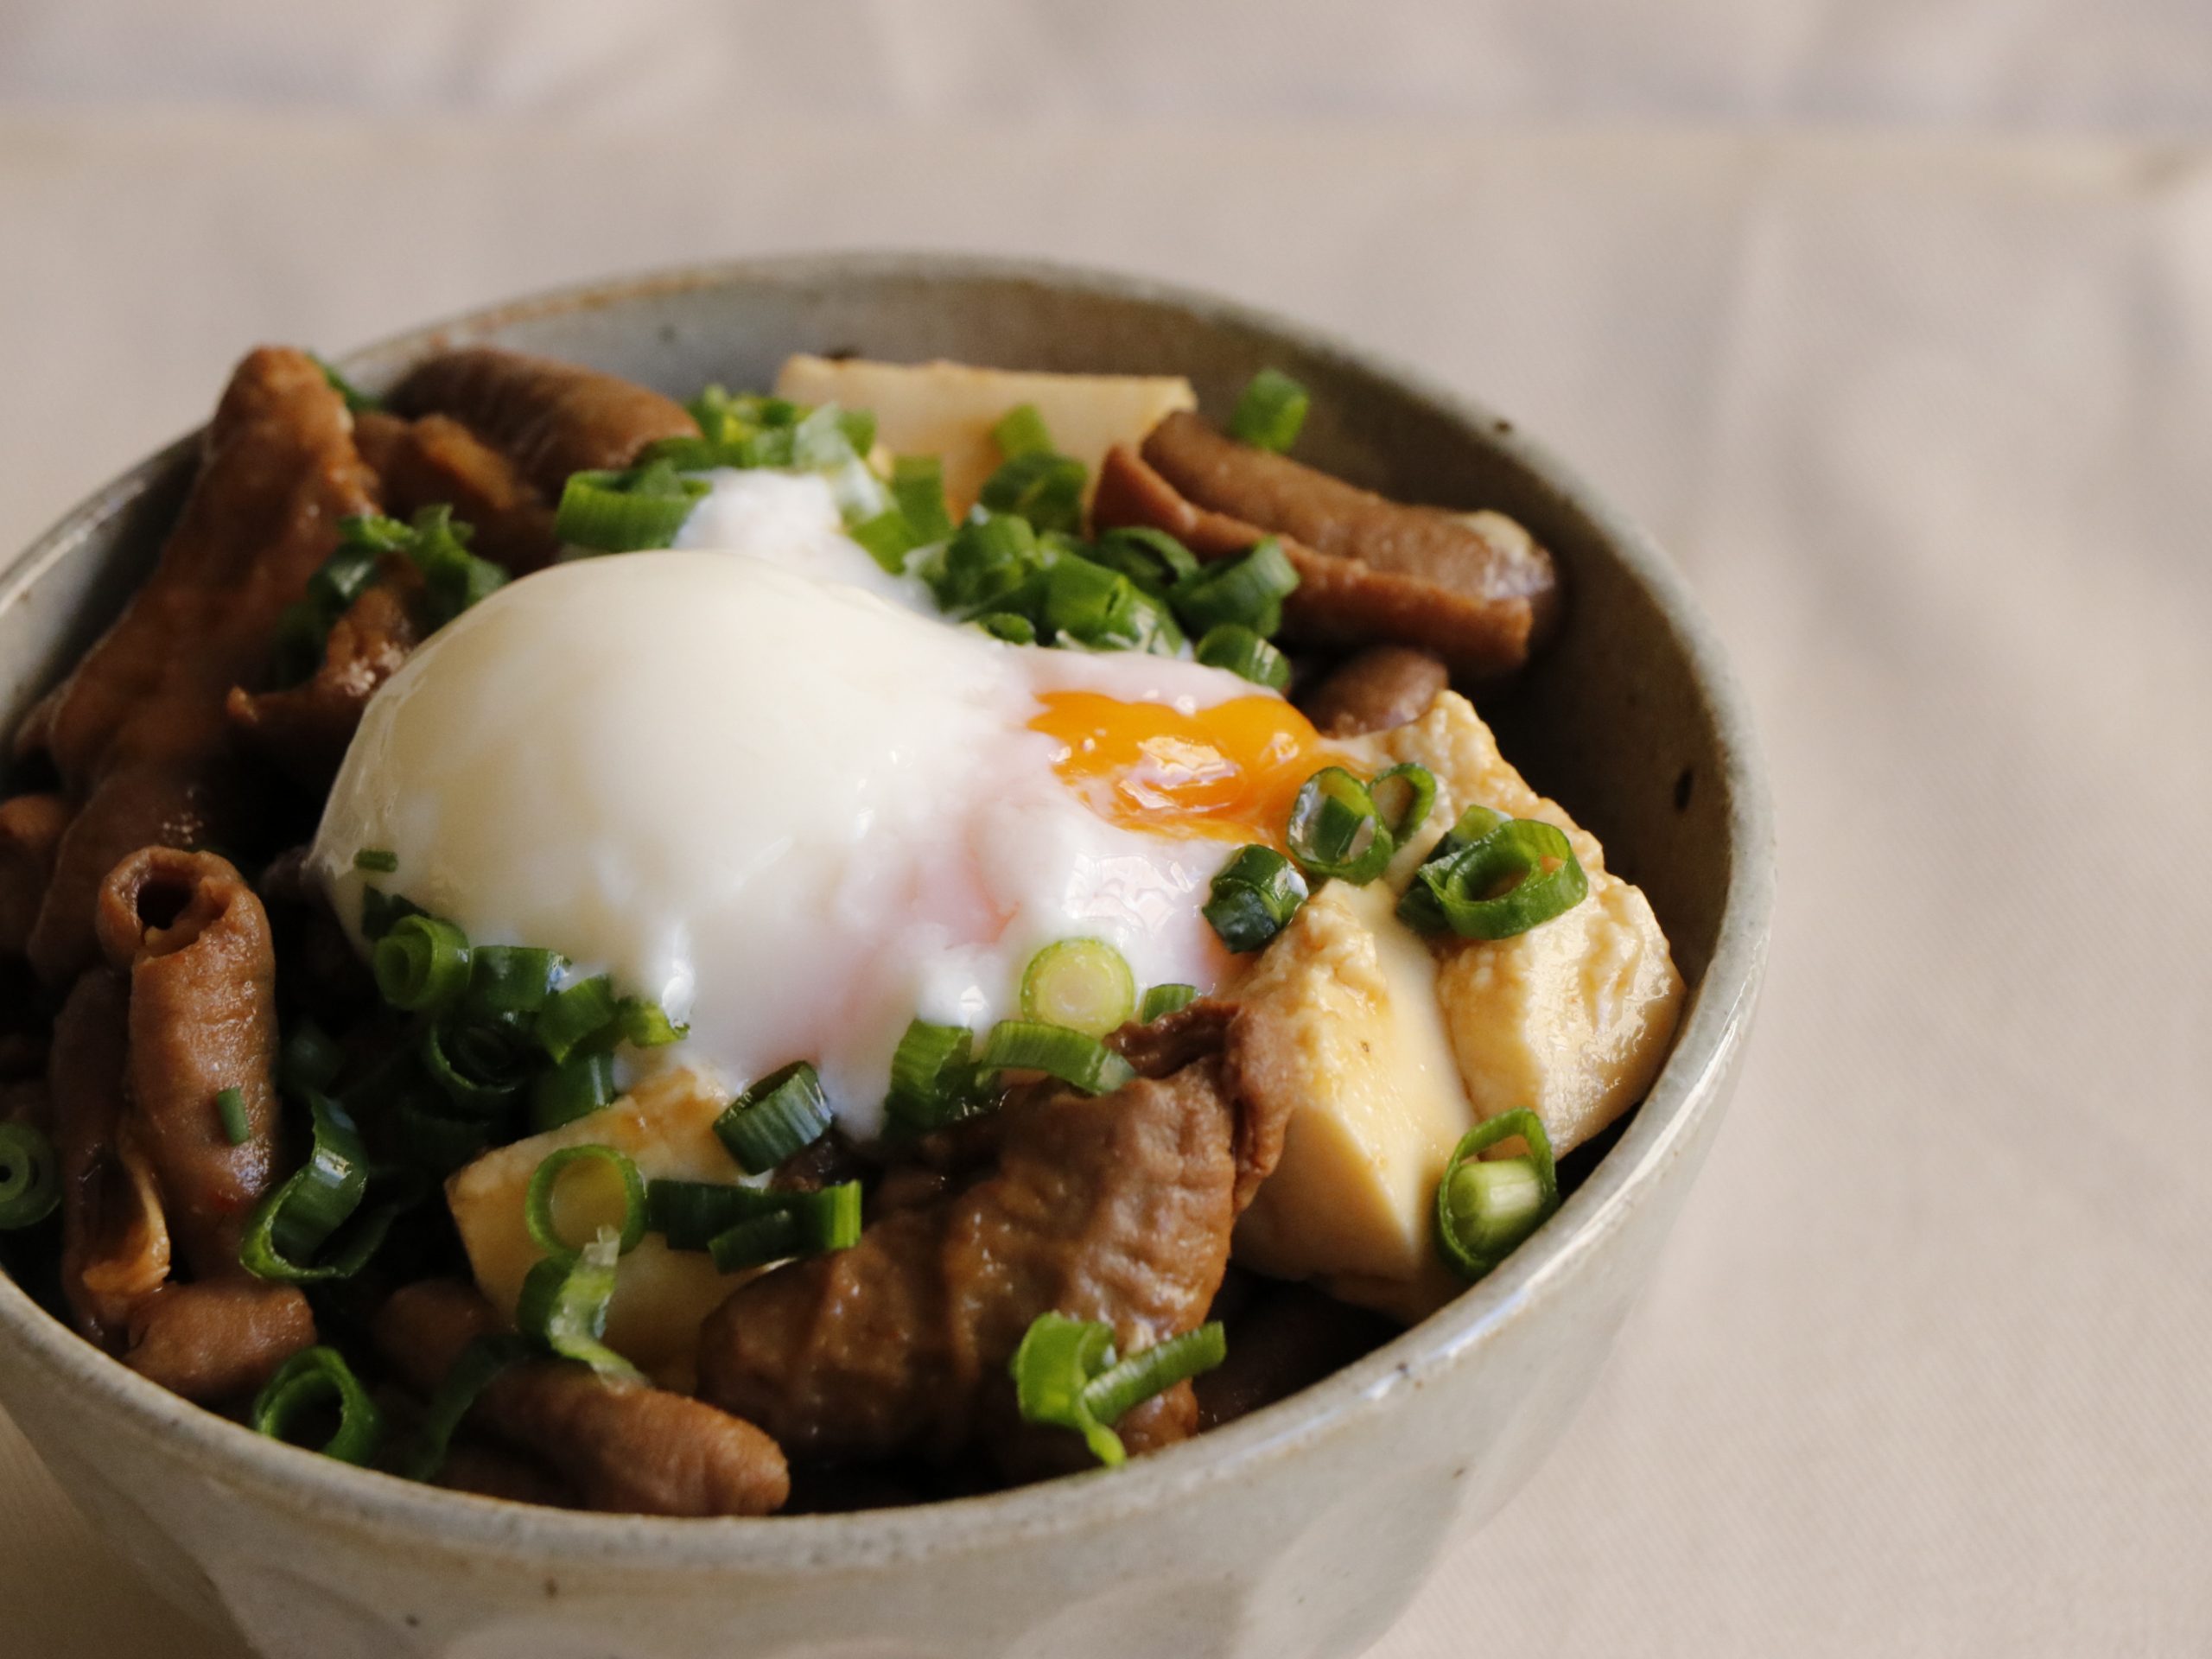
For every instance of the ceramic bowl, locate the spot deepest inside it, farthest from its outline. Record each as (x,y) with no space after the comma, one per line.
(1301,1531)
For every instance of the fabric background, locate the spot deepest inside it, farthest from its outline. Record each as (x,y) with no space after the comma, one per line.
(1894,319)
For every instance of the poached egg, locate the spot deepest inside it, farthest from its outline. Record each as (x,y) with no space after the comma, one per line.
(760,780)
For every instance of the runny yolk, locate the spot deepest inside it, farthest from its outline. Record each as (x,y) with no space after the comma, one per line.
(1229,772)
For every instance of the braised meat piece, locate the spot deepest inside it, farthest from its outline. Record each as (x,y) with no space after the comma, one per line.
(552,418)
(1376,691)
(138,732)
(1116,1207)
(623,1447)
(195,943)
(305,728)
(437,459)
(115,1238)
(30,836)
(1382,572)
(211,1343)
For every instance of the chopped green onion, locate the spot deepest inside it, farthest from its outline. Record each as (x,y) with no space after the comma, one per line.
(310,1060)
(381,860)
(473,1372)
(828,1217)
(1404,795)
(1044,488)
(917,484)
(1056,1362)
(435,1140)
(1085,601)
(1236,648)
(691,1214)
(1163,1000)
(512,978)
(1119,1389)
(382,910)
(756,1241)
(453,577)
(421,962)
(537,1201)
(356,400)
(577,1087)
(1271,411)
(645,1024)
(933,1080)
(821,439)
(293,1223)
(1493,878)
(1151,558)
(1335,830)
(985,560)
(1073,1058)
(576,1014)
(230,1106)
(340,580)
(802,1223)
(1084,984)
(30,1177)
(888,538)
(1248,589)
(1022,431)
(313,1382)
(1254,897)
(626,512)
(780,1115)
(1486,1209)
(1010,625)
(563,1305)
(859,428)
(482,1063)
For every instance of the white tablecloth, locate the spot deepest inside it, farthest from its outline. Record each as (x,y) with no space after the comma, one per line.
(1926,412)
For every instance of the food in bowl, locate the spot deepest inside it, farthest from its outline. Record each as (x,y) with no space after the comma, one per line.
(923,929)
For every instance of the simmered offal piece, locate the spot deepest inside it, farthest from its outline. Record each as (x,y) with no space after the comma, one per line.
(923,929)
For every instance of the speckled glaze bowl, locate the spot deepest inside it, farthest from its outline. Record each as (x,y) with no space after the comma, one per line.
(1301,1531)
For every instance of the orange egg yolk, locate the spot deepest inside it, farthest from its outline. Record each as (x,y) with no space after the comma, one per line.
(1229,772)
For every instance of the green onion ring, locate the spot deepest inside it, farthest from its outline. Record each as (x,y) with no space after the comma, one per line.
(1122,1387)
(1057,1359)
(577,1087)
(1335,830)
(1242,653)
(538,1199)
(1404,797)
(1270,411)
(1472,1252)
(1248,589)
(691,1215)
(421,962)
(30,1177)
(1070,1056)
(316,1377)
(780,1115)
(1497,886)
(1163,1000)
(933,1081)
(562,1307)
(1082,984)
(1254,896)
(576,1015)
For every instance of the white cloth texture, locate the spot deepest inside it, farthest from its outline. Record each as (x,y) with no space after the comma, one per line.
(1895,322)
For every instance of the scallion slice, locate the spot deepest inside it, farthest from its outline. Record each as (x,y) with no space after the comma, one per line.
(577,1087)
(1010,625)
(645,1024)
(1335,830)
(473,1372)
(512,978)
(626,512)
(887,537)
(1065,1374)
(1073,1058)
(985,560)
(1022,431)
(563,1305)
(780,1115)
(576,1014)
(1248,589)
(544,1187)
(421,963)
(1151,558)
(1127,1384)
(1044,488)
(917,486)
(1254,897)
(1492,879)
(801,1223)
(691,1214)
(230,1106)
(1084,984)
(1163,1000)
(933,1080)
(1236,648)
(310,1383)
(294,1222)
(481,1063)
(381,860)
(30,1177)
(1485,1208)
(1270,412)
(1404,795)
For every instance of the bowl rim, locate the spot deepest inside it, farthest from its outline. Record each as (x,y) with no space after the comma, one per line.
(1687,1088)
